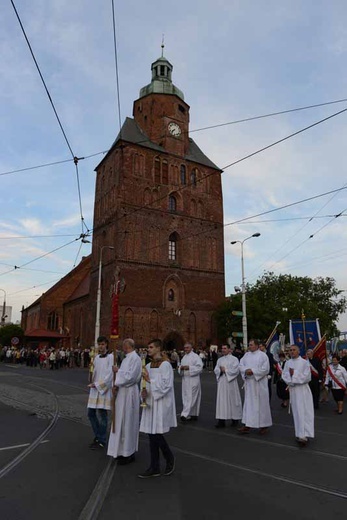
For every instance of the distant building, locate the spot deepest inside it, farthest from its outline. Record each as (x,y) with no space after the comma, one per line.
(6,317)
(44,321)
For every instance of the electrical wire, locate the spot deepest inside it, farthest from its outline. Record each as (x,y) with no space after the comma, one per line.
(74,157)
(15,267)
(190,131)
(34,236)
(116,66)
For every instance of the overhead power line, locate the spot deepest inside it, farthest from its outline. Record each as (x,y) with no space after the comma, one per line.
(237,121)
(74,156)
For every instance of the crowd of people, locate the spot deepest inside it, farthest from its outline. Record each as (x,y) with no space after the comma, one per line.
(47,357)
(115,387)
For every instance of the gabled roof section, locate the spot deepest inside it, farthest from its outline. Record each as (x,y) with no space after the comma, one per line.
(196,155)
(132,133)
(81,290)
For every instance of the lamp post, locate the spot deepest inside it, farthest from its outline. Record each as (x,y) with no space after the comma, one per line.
(243,289)
(98,298)
(3,315)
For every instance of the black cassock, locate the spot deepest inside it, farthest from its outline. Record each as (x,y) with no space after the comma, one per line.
(281,386)
(315,381)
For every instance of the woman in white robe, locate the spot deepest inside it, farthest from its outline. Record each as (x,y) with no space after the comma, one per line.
(254,368)
(297,375)
(123,442)
(160,413)
(228,405)
(190,370)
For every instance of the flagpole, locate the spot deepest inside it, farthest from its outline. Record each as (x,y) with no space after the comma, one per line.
(272,334)
(304,329)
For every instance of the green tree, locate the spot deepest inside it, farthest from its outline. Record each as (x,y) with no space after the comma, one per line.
(282,298)
(7,332)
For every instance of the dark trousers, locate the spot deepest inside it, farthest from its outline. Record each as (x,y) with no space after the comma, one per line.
(98,420)
(158,442)
(315,389)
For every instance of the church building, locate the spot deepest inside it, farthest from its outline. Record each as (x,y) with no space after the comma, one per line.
(158,218)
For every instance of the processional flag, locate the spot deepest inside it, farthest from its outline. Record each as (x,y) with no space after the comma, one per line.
(304,333)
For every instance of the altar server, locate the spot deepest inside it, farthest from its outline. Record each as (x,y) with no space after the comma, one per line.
(297,375)
(254,368)
(123,442)
(228,405)
(190,370)
(100,394)
(160,413)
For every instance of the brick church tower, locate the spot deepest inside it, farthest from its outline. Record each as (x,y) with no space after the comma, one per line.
(158,203)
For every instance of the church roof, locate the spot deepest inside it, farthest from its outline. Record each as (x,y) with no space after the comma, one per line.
(132,133)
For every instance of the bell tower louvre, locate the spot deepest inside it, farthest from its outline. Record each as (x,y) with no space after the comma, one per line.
(158,203)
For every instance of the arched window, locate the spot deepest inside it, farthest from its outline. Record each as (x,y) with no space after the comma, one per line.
(53,321)
(193,177)
(172,203)
(183,174)
(157,171)
(171,295)
(165,172)
(153,324)
(128,323)
(173,246)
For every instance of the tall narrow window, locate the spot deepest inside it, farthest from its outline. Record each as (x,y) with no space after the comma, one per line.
(193,177)
(165,172)
(171,295)
(183,174)
(157,171)
(173,246)
(172,204)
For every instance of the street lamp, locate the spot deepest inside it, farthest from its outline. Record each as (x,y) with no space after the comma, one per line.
(98,298)
(3,315)
(243,289)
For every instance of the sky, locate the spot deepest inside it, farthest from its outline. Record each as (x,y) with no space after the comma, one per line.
(233,59)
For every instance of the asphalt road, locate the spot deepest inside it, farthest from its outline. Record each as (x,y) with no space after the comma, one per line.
(218,472)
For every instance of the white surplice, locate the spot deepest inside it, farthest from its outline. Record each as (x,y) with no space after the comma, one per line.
(160,414)
(301,401)
(100,396)
(256,407)
(124,441)
(228,405)
(191,386)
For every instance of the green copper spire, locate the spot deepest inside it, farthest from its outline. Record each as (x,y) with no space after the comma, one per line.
(161,78)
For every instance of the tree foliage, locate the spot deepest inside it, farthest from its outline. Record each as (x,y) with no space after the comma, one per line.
(282,298)
(7,332)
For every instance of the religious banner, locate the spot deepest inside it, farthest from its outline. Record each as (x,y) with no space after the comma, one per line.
(117,287)
(115,317)
(304,333)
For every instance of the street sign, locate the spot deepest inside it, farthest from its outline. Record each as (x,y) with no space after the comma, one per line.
(15,341)
(237,313)
(237,334)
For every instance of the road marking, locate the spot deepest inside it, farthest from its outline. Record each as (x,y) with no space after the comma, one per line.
(269,443)
(336,493)
(15,447)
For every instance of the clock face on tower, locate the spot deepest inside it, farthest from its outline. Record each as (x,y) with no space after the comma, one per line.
(174,129)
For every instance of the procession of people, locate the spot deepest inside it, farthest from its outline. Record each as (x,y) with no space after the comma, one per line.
(115,391)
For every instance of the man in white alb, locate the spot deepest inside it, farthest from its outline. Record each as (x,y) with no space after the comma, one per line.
(190,369)
(297,375)
(228,405)
(254,368)
(99,401)
(123,442)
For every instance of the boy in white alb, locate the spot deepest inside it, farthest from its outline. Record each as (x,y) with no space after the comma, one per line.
(100,393)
